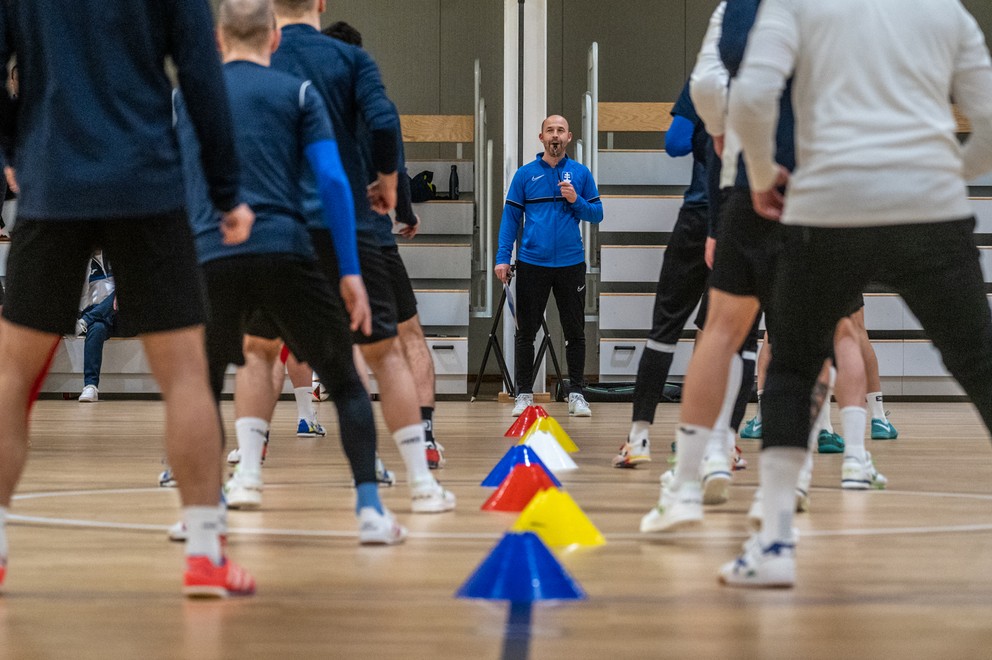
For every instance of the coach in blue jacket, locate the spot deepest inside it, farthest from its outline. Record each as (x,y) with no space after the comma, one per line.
(552,194)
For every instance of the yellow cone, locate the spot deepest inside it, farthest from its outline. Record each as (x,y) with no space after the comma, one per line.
(552,426)
(557,519)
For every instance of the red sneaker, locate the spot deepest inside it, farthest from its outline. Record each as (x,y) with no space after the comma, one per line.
(203,579)
(435,457)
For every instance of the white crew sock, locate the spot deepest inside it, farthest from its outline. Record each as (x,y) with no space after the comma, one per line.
(638,431)
(412,444)
(251,433)
(823,419)
(877,406)
(780,468)
(304,403)
(718,438)
(204,526)
(3,533)
(690,447)
(853,419)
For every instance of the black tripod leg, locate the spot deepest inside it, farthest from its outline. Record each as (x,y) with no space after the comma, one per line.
(493,345)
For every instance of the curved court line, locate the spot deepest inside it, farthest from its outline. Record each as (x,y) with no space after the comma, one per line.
(478,536)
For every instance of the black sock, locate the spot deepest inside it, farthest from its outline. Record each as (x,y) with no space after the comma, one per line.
(427,417)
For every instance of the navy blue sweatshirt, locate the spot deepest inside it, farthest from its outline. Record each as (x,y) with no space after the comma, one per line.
(738,19)
(350,84)
(279,121)
(94,131)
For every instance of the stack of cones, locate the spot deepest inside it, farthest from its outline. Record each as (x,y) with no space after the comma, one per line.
(520,568)
(527,418)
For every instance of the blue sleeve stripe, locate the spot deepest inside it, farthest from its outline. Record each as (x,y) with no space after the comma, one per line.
(337,201)
(516,204)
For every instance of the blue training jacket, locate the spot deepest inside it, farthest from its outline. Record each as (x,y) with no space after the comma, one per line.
(278,121)
(551,236)
(94,130)
(350,85)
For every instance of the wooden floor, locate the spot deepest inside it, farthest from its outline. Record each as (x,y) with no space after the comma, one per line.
(905,573)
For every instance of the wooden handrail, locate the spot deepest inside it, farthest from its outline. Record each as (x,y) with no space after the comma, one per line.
(438,128)
(619,117)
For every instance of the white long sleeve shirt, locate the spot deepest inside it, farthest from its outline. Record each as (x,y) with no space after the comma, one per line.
(708,82)
(875,132)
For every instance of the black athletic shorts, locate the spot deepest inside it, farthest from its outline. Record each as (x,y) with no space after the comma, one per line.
(391,296)
(157,278)
(747,249)
(293,300)
(1,294)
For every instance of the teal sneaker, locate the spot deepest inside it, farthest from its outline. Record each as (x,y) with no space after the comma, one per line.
(829,443)
(752,430)
(883,430)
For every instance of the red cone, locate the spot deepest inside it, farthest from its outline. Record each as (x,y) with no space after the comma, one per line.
(523,423)
(519,488)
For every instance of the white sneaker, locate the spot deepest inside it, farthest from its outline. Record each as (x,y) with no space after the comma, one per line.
(521,403)
(243,490)
(861,475)
(234,457)
(716,478)
(90,394)
(384,477)
(757,566)
(633,453)
(577,406)
(432,498)
(675,510)
(376,528)
(178,532)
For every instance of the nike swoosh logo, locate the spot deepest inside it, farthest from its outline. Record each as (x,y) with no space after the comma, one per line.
(535,178)
(580,289)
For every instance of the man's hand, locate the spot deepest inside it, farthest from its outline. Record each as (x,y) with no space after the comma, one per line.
(11,176)
(235,225)
(709,255)
(503,273)
(382,193)
(769,203)
(356,301)
(568,191)
(409,231)
(718,142)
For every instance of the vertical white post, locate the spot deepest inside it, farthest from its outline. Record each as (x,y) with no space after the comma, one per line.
(534,102)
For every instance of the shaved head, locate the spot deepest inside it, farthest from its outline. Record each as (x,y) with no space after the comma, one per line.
(249,22)
(556,119)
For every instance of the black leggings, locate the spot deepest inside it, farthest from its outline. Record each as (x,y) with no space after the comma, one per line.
(933,266)
(534,284)
(296,298)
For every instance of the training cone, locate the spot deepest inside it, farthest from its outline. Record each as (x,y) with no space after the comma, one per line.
(521,569)
(554,457)
(517,455)
(527,418)
(557,519)
(551,425)
(519,488)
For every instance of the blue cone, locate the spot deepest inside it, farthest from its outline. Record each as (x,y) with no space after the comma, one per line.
(518,454)
(521,569)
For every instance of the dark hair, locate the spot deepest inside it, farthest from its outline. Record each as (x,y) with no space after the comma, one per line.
(344,32)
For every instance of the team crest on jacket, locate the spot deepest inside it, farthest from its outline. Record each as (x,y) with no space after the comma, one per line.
(566,176)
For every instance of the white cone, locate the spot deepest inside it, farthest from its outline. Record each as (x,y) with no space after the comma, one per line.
(550,450)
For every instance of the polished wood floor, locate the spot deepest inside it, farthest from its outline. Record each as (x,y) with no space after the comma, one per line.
(905,573)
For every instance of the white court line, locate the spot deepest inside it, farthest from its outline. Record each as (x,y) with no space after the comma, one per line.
(310,533)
